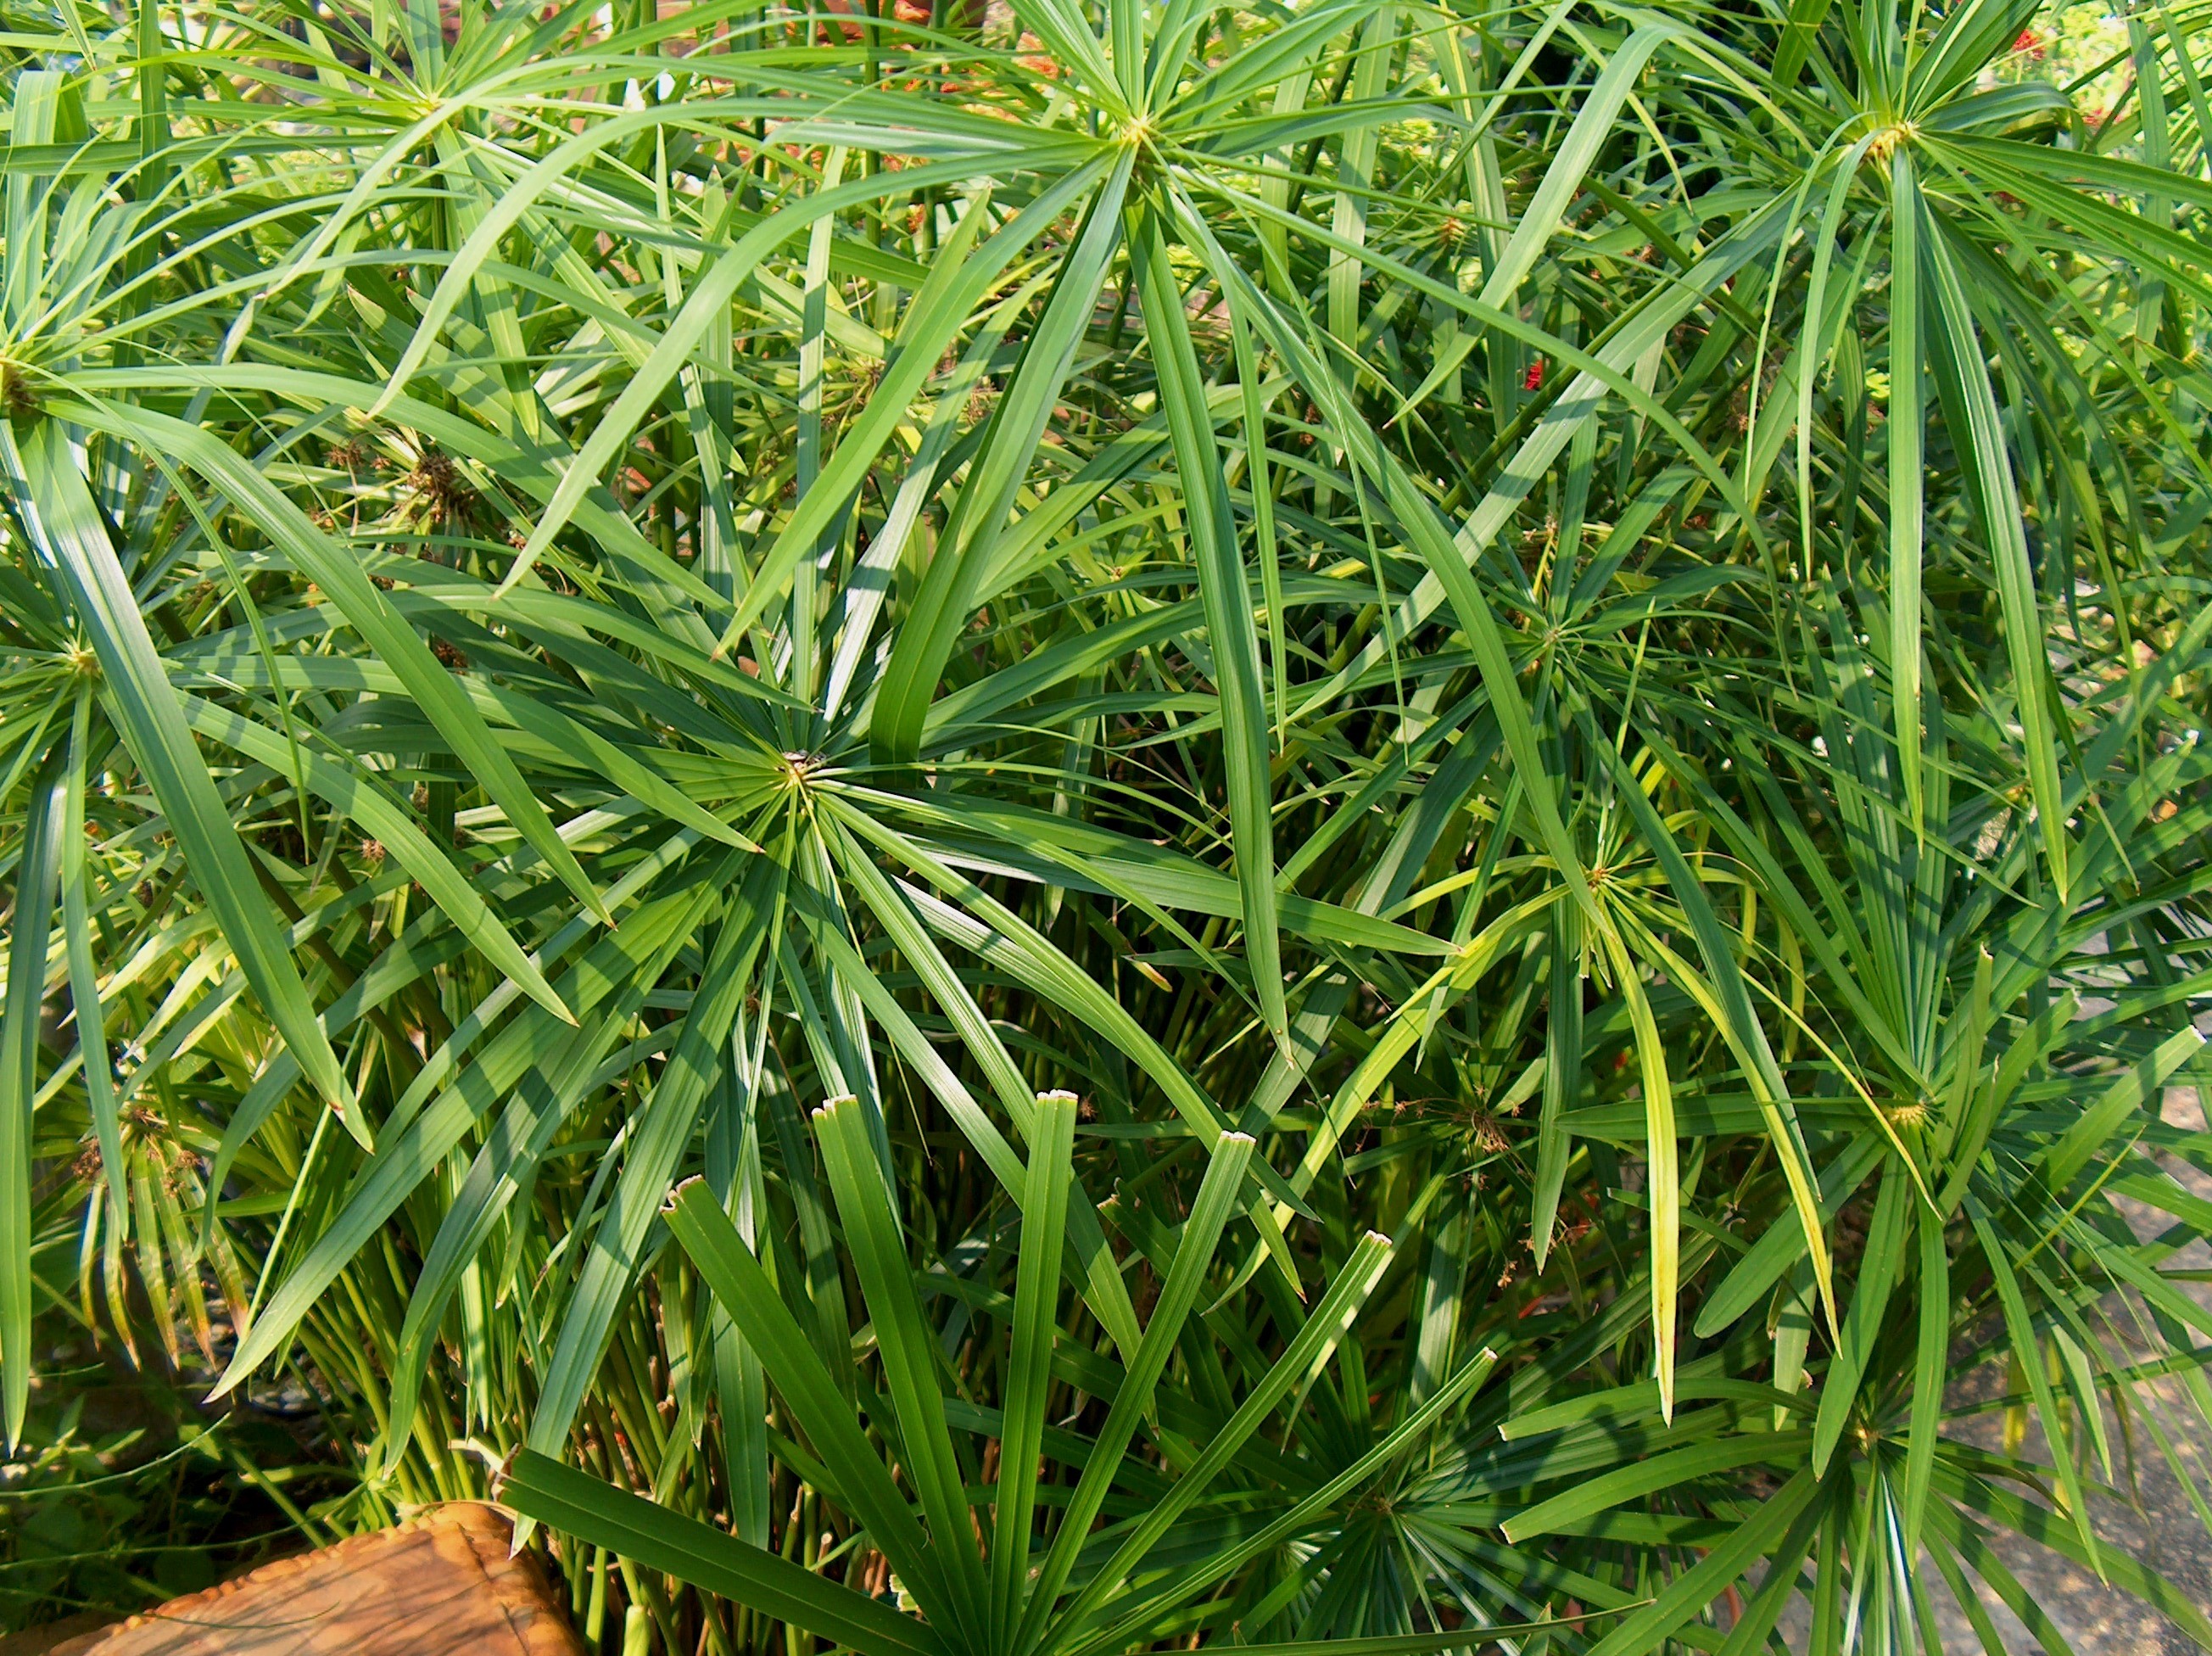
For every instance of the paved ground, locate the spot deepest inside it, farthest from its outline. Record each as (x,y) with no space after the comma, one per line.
(2162,1531)
(2160,1527)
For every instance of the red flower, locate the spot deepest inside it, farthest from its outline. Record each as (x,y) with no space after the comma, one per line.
(2031,43)
(1535,381)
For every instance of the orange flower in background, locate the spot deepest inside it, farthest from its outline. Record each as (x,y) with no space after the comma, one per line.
(2031,43)
(1034,58)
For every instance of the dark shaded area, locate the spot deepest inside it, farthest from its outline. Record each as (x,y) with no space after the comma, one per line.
(126,1492)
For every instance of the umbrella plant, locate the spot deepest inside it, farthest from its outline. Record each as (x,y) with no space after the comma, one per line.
(1066,828)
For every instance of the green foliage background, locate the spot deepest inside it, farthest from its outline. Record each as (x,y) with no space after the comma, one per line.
(1075,828)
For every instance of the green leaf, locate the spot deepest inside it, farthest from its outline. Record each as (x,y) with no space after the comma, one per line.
(36,876)
(1216,1199)
(1978,435)
(1300,1362)
(1232,632)
(366,609)
(355,794)
(65,527)
(1783,1245)
(1877,1275)
(1740,1026)
(1470,1638)
(1695,1588)
(1930,1367)
(976,523)
(908,1346)
(2027,1348)
(1907,417)
(2093,1132)
(959,279)
(661,1133)
(446,1099)
(1316,1509)
(577,1504)
(1036,1288)
(1570,1507)
(1563,1056)
(84,972)
(863,1487)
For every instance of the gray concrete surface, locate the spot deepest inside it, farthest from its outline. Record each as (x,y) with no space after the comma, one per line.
(2159,1525)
